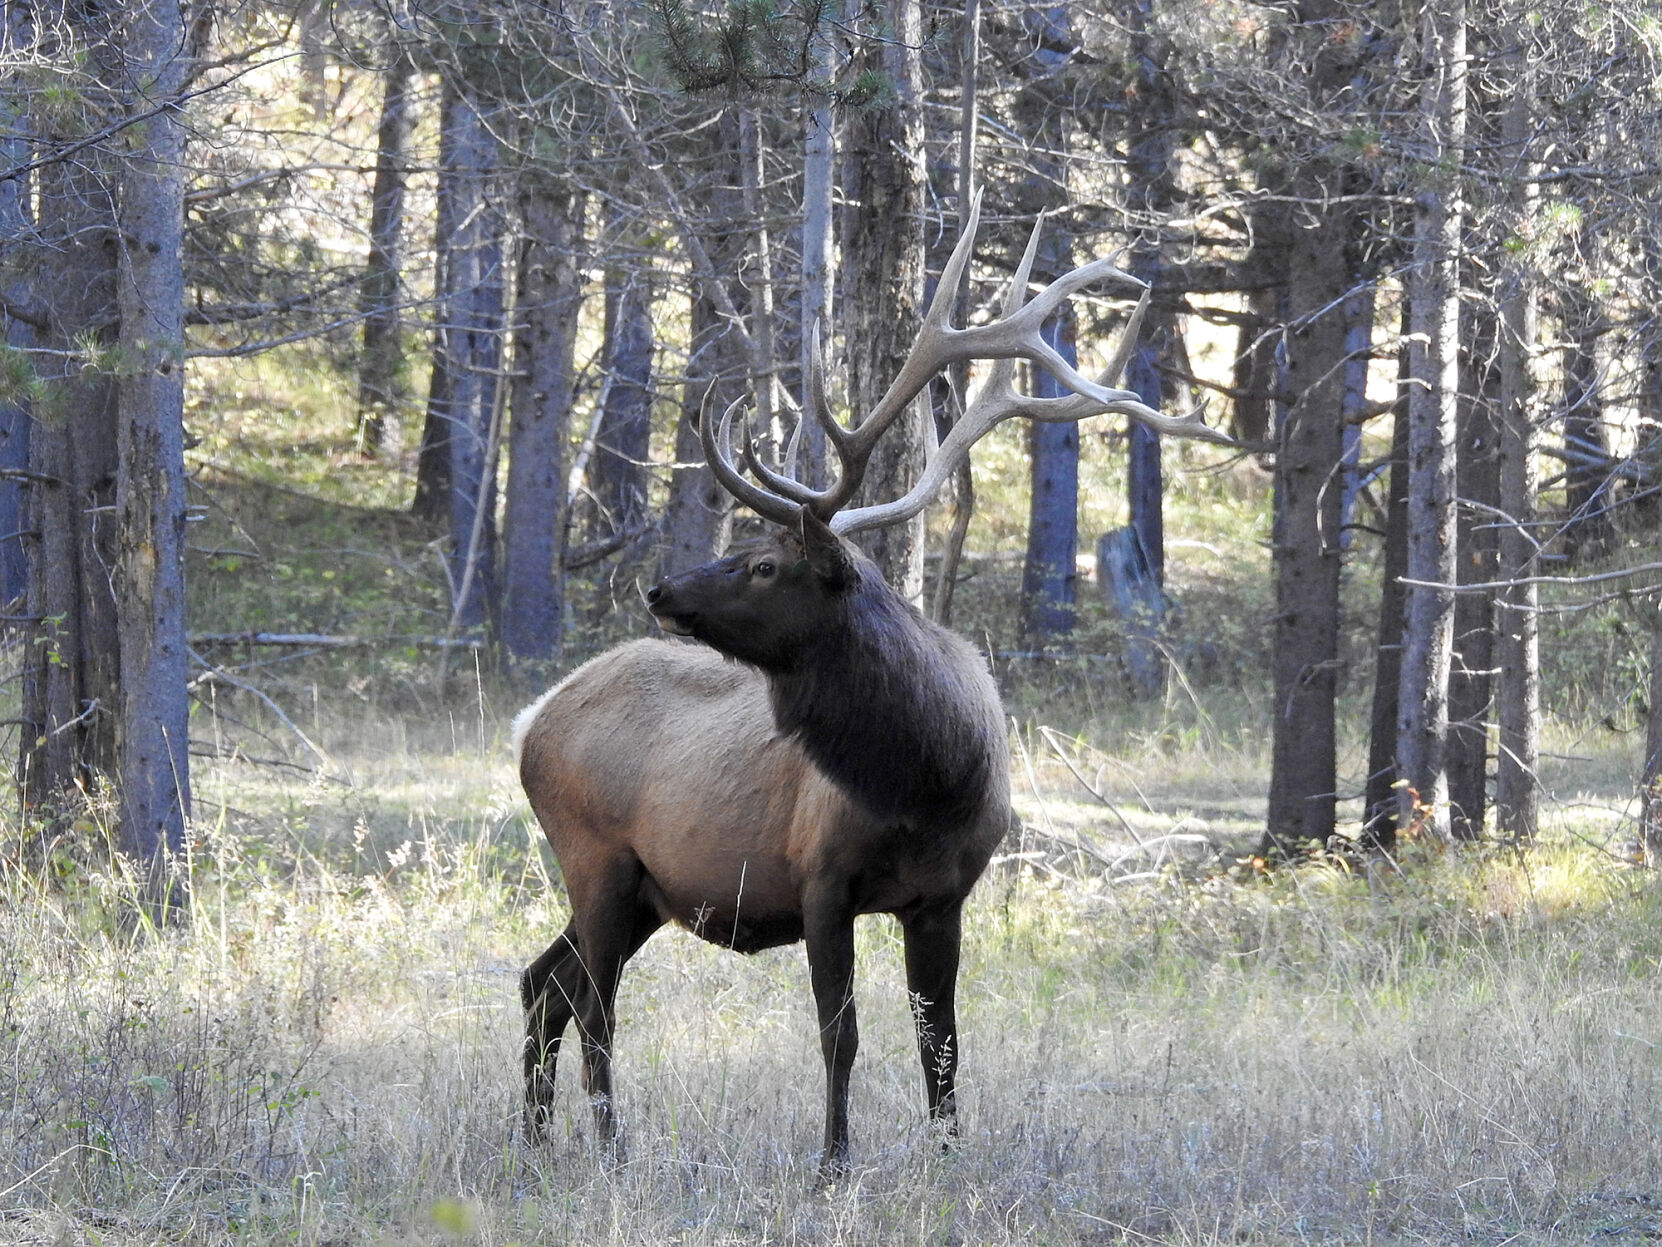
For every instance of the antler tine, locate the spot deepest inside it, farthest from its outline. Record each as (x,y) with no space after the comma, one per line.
(787,487)
(716,437)
(1016,334)
(999,400)
(979,418)
(931,352)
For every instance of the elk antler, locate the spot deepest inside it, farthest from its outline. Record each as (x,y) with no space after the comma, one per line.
(1015,335)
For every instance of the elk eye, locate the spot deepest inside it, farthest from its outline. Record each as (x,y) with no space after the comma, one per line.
(764,568)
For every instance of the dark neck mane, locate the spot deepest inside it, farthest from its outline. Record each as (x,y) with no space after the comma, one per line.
(894,709)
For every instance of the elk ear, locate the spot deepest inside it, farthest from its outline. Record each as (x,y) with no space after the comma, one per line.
(825,551)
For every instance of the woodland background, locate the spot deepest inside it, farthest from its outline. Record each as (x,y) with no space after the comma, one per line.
(354,355)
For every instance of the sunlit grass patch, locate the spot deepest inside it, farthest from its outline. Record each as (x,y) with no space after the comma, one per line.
(329,1051)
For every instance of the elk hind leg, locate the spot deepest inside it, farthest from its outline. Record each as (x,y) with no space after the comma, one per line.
(550,989)
(932,943)
(611,932)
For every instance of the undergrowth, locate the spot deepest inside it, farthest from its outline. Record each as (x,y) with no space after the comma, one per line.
(327,1051)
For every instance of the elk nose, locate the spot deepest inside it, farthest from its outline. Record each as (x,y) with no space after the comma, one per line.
(654,594)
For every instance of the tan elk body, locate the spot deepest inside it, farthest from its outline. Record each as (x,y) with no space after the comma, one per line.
(852,760)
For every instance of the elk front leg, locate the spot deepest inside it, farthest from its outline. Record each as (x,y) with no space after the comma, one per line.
(932,942)
(830,938)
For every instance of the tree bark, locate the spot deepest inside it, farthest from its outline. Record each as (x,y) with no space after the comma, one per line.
(153,756)
(1517,640)
(699,515)
(471,308)
(818,259)
(1433,301)
(1306,545)
(617,471)
(1379,798)
(1049,569)
(16,221)
(962,485)
(1650,410)
(1150,192)
(1471,676)
(534,511)
(883,258)
(70,677)
(1588,530)
(381,365)
(1049,582)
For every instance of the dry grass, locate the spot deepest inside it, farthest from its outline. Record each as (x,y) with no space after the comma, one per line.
(327,1054)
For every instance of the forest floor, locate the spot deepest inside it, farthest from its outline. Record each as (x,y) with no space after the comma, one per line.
(1162,1042)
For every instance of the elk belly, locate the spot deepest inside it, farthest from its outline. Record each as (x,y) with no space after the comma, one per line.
(740,905)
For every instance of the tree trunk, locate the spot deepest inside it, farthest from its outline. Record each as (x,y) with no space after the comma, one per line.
(1379,798)
(1306,546)
(883,259)
(1434,306)
(1471,679)
(471,307)
(1650,410)
(432,488)
(617,471)
(1150,193)
(962,485)
(1256,375)
(534,513)
(153,756)
(699,515)
(1517,640)
(1049,581)
(70,681)
(700,511)
(16,221)
(1049,570)
(381,366)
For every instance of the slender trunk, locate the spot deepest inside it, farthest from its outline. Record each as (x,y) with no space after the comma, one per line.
(1049,574)
(70,677)
(963,478)
(699,514)
(1306,546)
(534,510)
(1049,580)
(1650,409)
(1433,300)
(380,367)
(884,263)
(1517,641)
(617,472)
(432,487)
(1359,314)
(818,191)
(16,421)
(1471,678)
(1150,193)
(1379,798)
(471,305)
(700,510)
(153,756)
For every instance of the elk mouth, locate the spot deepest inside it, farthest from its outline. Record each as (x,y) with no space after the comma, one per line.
(680,625)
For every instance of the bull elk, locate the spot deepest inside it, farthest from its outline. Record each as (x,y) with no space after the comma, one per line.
(853,761)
